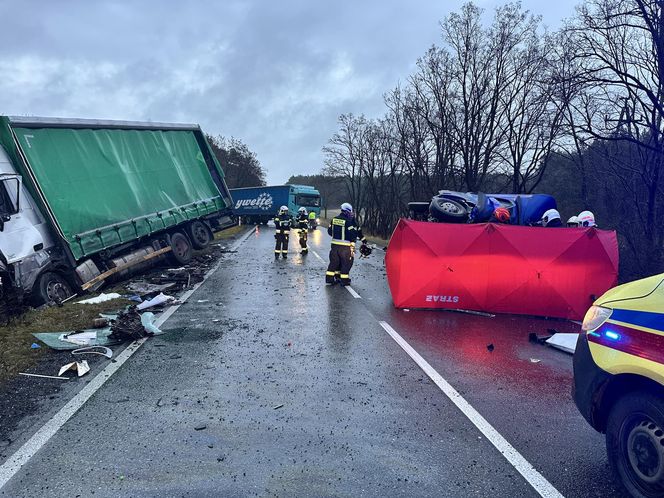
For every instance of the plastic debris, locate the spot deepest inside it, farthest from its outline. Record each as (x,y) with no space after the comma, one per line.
(147,320)
(160,298)
(564,342)
(200,427)
(101,298)
(535,360)
(277,407)
(34,345)
(57,340)
(80,367)
(142,288)
(84,338)
(43,376)
(100,350)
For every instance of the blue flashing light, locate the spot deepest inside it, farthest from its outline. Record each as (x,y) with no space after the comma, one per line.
(612,335)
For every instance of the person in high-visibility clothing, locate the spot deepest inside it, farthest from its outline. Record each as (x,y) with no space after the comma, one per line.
(302,224)
(344,232)
(282,224)
(312,220)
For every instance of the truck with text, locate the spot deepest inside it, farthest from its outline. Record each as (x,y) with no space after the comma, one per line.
(256,205)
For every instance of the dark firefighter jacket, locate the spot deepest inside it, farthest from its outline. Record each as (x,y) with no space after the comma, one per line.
(282,223)
(344,231)
(302,221)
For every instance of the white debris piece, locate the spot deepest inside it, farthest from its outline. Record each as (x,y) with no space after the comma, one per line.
(101,298)
(160,298)
(81,338)
(80,367)
(564,342)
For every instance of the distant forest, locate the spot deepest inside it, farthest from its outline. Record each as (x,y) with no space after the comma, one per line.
(509,107)
(240,165)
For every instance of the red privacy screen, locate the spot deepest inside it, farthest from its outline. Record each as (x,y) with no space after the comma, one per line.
(555,272)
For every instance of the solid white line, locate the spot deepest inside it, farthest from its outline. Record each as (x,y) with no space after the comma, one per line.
(530,474)
(317,255)
(48,430)
(352,292)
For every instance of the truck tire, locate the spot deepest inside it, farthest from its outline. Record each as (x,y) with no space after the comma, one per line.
(200,233)
(51,288)
(635,443)
(181,250)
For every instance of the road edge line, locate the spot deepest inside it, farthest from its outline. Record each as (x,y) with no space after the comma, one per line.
(37,441)
(539,483)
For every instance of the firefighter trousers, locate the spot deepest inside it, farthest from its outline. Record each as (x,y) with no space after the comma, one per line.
(303,239)
(281,247)
(341,261)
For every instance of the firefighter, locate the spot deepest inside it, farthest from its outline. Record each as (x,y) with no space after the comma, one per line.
(302,224)
(344,232)
(282,223)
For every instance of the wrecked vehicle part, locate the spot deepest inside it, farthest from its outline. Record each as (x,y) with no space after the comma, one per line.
(52,247)
(100,350)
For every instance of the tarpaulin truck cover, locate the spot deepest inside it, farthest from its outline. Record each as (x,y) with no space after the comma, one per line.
(105,183)
(554,272)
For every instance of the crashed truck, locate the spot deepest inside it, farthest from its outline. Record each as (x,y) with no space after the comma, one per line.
(84,201)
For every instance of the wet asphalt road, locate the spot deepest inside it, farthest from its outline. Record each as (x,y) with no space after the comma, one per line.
(269,383)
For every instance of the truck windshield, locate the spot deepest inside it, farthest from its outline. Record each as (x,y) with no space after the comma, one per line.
(9,196)
(307,200)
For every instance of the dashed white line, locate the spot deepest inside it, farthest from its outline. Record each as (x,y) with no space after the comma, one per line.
(529,473)
(48,430)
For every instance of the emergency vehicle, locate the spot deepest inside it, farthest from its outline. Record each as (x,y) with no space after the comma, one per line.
(619,380)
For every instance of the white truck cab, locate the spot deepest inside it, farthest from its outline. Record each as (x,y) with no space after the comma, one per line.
(25,240)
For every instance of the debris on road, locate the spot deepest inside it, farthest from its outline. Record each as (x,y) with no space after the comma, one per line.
(101,298)
(100,350)
(535,360)
(34,345)
(59,342)
(490,347)
(143,288)
(130,326)
(277,407)
(147,320)
(158,300)
(200,427)
(100,323)
(43,376)
(539,339)
(80,367)
(564,342)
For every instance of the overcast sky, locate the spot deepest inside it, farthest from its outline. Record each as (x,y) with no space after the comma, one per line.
(275,74)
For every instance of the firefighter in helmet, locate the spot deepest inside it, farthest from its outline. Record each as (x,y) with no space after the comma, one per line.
(282,223)
(344,232)
(302,224)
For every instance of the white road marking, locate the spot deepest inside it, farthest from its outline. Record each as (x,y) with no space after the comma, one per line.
(530,474)
(318,256)
(352,292)
(48,430)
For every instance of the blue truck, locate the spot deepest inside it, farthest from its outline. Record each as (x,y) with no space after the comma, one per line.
(260,204)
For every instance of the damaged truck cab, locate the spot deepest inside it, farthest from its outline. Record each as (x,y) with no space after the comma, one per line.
(83,201)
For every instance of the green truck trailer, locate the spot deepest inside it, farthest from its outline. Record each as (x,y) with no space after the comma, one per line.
(82,201)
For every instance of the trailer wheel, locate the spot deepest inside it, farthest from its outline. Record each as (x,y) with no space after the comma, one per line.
(201,236)
(181,250)
(51,288)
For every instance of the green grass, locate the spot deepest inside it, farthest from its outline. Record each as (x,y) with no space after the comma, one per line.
(16,336)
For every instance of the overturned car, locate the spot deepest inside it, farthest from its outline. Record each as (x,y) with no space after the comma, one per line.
(450,206)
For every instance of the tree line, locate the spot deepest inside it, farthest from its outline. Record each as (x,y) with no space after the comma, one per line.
(510,107)
(240,165)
